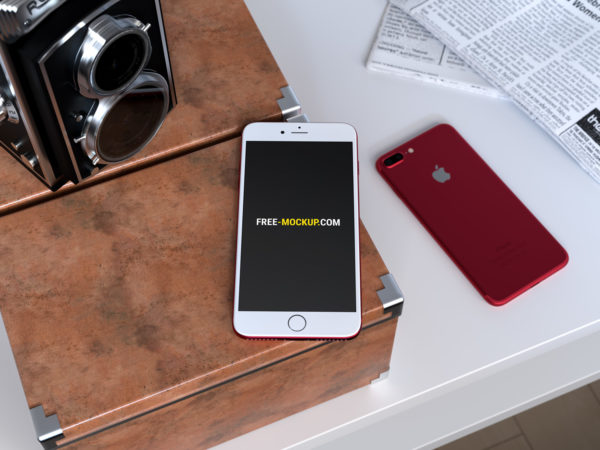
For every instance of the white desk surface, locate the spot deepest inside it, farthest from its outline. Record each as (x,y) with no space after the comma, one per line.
(458,364)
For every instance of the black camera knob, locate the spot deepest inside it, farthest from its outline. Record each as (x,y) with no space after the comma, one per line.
(30,159)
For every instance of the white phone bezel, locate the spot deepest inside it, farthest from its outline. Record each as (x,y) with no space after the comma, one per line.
(274,324)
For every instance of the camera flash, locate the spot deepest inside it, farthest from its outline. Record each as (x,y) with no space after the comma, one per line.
(411,150)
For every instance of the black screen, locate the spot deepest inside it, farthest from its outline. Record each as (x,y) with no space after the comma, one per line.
(298,249)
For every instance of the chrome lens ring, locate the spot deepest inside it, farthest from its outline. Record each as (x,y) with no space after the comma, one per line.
(120,45)
(122,125)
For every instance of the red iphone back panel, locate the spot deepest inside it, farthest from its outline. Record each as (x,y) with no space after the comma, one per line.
(486,230)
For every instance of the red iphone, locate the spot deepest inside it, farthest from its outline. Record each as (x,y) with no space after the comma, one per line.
(486,230)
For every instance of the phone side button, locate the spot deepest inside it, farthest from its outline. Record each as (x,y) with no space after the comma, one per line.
(297,323)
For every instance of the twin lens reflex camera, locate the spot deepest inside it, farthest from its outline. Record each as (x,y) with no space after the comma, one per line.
(83,84)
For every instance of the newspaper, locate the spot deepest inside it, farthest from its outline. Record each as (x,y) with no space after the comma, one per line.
(542,53)
(406,48)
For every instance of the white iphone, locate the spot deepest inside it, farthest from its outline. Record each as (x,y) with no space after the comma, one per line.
(298,258)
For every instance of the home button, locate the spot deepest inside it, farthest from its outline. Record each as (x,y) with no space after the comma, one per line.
(297,323)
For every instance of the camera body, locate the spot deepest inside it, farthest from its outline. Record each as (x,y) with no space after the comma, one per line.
(83,84)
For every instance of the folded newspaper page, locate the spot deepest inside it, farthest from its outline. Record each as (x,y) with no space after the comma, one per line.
(542,53)
(406,48)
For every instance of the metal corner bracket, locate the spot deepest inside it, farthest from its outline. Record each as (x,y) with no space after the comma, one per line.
(47,428)
(291,110)
(382,376)
(391,296)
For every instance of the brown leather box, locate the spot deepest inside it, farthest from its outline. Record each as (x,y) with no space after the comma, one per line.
(117,293)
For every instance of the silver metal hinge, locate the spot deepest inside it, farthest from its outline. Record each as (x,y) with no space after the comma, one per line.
(382,376)
(291,110)
(391,296)
(47,428)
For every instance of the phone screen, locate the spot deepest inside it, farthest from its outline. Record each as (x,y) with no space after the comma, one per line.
(298,245)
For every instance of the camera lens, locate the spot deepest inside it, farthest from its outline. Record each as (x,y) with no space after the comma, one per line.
(120,62)
(130,124)
(112,55)
(122,125)
(393,160)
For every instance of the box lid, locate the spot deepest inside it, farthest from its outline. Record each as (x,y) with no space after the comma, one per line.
(118,298)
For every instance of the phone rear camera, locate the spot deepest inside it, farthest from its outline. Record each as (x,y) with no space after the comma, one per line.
(283,132)
(393,160)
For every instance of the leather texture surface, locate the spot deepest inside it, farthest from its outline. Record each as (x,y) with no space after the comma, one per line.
(257,399)
(118,298)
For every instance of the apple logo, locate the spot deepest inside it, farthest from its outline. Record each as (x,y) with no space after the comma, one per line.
(440,175)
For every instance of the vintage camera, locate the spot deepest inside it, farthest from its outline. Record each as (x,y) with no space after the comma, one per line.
(83,84)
